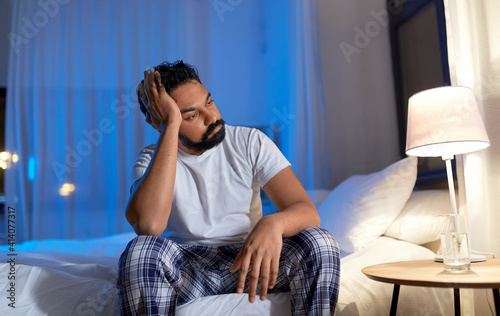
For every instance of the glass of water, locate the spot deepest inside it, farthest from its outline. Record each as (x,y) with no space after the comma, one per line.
(454,242)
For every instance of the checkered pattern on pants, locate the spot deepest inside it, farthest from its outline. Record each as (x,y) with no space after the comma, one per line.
(156,274)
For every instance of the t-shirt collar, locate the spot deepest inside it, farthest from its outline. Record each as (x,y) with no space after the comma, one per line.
(188,157)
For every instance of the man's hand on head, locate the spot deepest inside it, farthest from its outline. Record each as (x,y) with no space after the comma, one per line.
(161,108)
(260,254)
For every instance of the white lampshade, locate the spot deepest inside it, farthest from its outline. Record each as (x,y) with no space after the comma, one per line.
(443,122)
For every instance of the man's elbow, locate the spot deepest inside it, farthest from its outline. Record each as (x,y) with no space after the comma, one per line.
(150,229)
(143,226)
(316,219)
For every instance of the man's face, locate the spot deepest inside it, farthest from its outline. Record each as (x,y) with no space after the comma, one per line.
(202,126)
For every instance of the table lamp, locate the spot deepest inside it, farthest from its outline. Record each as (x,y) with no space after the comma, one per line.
(443,122)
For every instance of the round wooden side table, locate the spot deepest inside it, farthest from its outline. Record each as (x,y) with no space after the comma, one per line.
(429,273)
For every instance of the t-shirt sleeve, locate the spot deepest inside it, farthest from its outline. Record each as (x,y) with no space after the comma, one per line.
(142,163)
(266,157)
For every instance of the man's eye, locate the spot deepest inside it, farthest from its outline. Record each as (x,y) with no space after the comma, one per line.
(192,116)
(209,102)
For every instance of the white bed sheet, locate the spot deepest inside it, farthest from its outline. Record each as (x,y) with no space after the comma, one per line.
(65,277)
(70,277)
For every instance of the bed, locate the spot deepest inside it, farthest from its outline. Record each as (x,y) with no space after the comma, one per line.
(375,218)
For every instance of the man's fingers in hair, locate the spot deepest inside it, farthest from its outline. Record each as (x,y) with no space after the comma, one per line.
(144,95)
(158,81)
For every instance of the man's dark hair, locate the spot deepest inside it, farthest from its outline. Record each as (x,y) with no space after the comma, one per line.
(173,75)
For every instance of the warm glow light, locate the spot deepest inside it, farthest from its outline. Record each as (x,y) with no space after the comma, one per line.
(15,158)
(66,189)
(69,187)
(4,155)
(4,159)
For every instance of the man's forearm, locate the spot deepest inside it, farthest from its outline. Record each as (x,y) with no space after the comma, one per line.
(295,218)
(297,211)
(150,204)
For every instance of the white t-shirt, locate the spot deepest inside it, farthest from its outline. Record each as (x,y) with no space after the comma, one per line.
(217,194)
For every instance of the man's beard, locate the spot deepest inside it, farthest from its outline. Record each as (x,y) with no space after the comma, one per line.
(205,143)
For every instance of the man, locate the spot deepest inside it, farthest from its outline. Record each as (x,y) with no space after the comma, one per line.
(199,188)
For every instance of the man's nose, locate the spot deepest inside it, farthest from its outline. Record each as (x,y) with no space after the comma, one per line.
(210,118)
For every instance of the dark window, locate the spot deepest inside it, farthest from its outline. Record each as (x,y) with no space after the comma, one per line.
(420,62)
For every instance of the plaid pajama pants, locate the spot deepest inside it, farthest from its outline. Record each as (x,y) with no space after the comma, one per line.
(156,274)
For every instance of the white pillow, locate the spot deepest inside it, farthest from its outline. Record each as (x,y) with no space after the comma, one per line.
(361,208)
(418,222)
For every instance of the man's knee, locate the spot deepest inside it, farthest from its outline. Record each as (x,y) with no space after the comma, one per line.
(143,250)
(143,270)
(319,240)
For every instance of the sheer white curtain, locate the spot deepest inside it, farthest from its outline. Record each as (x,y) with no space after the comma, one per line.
(474,57)
(72,118)
(306,135)
(71,112)
(295,96)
